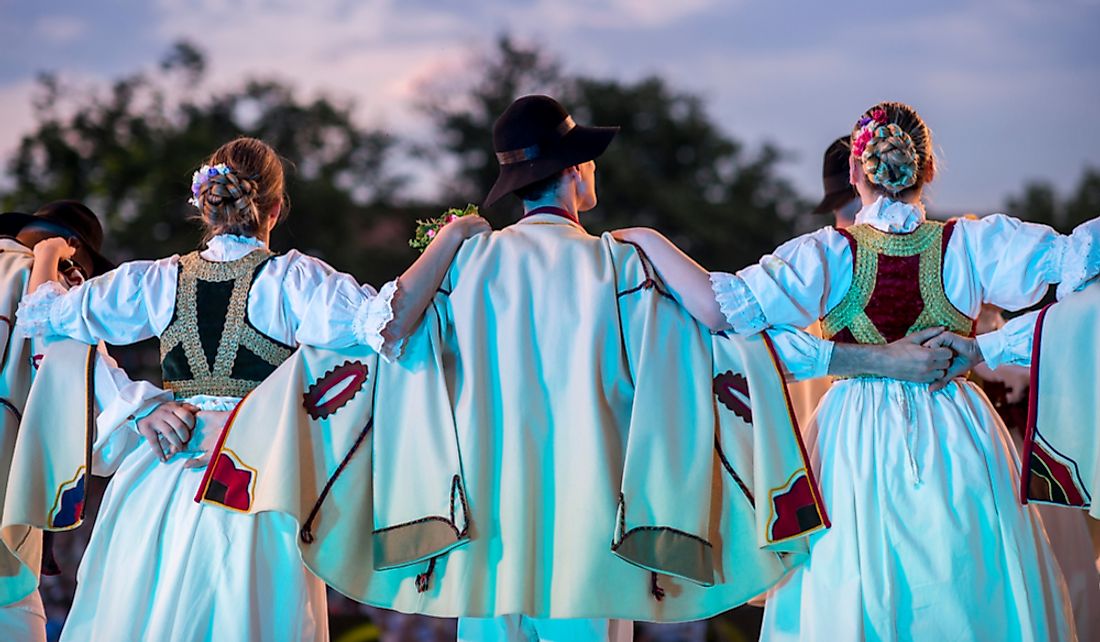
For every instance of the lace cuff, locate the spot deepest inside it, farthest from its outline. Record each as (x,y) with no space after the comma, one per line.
(32,318)
(738,304)
(1080,258)
(1011,344)
(372,322)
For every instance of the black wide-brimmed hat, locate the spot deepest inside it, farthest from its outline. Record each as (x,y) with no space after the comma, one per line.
(535,138)
(835,178)
(74,218)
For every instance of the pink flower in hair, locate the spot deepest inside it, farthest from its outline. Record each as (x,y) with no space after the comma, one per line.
(879,116)
(859,143)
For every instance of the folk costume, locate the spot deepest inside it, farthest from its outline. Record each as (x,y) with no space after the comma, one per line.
(226,318)
(558,439)
(22,615)
(1066,526)
(1060,447)
(897,463)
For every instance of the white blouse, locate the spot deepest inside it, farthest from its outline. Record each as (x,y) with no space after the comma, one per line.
(998,260)
(295,299)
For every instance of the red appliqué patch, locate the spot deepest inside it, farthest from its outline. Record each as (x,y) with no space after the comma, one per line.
(732,389)
(793,509)
(335,389)
(230,483)
(1054,478)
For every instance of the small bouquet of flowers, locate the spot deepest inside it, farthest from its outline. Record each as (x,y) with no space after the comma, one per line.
(427,229)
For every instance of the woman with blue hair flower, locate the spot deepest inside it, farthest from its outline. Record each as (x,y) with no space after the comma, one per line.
(929,539)
(159,565)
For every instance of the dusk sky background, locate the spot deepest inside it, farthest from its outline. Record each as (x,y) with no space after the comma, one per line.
(1010,88)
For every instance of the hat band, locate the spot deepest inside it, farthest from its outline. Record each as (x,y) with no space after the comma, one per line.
(531,153)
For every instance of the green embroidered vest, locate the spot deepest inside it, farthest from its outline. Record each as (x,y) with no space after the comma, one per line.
(210,347)
(897,287)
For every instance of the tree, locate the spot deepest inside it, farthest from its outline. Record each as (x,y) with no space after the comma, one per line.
(1041,203)
(129,152)
(670,167)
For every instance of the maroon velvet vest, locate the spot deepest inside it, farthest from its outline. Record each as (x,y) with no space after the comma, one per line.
(897,287)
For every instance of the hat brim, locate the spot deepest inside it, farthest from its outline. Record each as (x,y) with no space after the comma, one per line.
(11,223)
(834,201)
(100,263)
(580,145)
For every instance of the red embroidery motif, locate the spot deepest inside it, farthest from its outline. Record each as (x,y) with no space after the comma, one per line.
(795,511)
(335,389)
(1052,480)
(230,485)
(732,389)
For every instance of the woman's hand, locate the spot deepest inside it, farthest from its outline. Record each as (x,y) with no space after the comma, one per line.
(967,355)
(464,227)
(55,248)
(213,424)
(171,422)
(635,235)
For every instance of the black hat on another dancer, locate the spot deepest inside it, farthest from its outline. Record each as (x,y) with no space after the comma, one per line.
(835,177)
(535,138)
(72,219)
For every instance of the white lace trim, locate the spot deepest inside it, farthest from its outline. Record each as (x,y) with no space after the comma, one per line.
(373,318)
(32,318)
(229,247)
(1080,258)
(888,215)
(739,306)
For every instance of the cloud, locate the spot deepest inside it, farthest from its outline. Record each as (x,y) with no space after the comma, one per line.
(59,30)
(16,114)
(1009,93)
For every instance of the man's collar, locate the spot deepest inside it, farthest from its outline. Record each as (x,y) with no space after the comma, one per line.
(551,214)
(12,244)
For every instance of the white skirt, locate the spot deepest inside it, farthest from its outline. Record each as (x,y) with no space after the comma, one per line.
(160,566)
(929,540)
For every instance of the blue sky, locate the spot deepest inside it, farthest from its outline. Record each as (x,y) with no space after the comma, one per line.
(1009,87)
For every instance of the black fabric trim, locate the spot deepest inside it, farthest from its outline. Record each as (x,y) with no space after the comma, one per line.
(650,281)
(732,472)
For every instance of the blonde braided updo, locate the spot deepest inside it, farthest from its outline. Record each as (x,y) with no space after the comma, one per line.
(894,148)
(244,187)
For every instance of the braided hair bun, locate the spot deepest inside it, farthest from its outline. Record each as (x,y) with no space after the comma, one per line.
(894,147)
(227,200)
(243,188)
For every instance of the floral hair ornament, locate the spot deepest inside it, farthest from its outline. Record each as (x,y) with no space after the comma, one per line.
(867,126)
(426,230)
(202,176)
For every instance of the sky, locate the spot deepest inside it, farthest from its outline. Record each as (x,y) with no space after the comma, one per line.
(1010,88)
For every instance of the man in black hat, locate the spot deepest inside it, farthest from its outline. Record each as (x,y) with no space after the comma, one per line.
(576,385)
(22,616)
(842,201)
(840,197)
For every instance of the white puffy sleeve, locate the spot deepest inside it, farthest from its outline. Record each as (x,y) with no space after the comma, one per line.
(1014,262)
(330,309)
(121,402)
(1011,344)
(133,302)
(802,356)
(796,285)
(1082,258)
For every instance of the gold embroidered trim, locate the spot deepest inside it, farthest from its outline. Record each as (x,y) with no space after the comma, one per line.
(235,333)
(927,241)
